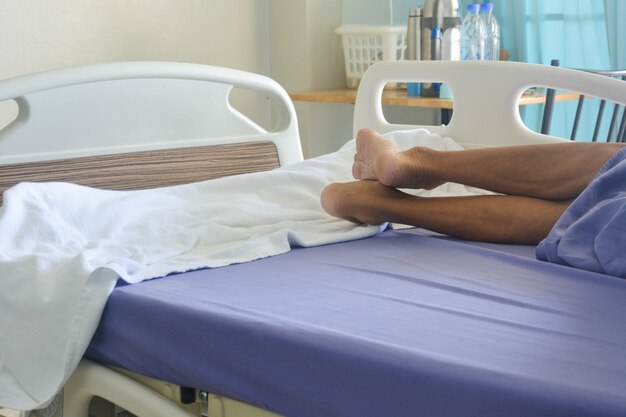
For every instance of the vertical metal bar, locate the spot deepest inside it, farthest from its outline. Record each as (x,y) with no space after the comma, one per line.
(598,121)
(547,112)
(579,109)
(548,106)
(621,136)
(612,124)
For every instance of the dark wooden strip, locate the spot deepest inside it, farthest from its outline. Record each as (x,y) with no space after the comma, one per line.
(147,169)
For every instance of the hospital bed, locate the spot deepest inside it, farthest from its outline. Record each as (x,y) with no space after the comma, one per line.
(407,323)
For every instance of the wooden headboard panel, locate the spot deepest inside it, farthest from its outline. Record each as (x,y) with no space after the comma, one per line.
(147,169)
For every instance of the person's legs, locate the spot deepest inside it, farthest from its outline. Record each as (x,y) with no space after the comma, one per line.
(549,172)
(539,182)
(495,218)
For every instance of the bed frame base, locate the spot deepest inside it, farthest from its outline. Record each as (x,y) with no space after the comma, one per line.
(143,396)
(91,380)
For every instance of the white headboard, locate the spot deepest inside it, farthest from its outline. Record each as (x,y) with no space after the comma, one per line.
(131,106)
(486,96)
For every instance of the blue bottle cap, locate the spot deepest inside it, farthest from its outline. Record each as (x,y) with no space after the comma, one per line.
(486,7)
(473,8)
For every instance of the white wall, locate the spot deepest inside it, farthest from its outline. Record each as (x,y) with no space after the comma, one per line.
(306,55)
(37,35)
(378,12)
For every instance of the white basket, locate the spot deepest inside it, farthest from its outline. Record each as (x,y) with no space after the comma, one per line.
(365,45)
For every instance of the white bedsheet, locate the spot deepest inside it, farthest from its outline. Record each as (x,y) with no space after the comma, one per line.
(62,248)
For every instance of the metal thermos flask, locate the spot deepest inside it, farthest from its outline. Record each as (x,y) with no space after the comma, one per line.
(414,45)
(440,17)
(414,35)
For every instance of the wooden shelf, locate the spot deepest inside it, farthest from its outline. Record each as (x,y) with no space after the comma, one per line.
(398,97)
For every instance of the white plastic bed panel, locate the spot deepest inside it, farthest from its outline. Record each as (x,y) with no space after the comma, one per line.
(131,106)
(486,96)
(90,379)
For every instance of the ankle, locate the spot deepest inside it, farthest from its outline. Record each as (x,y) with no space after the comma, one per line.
(413,168)
(426,165)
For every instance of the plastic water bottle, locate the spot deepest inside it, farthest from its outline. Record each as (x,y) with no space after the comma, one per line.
(492,32)
(473,35)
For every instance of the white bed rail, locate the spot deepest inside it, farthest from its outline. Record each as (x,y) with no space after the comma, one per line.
(486,96)
(127,106)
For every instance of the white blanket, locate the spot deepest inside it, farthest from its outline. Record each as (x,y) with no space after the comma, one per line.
(62,248)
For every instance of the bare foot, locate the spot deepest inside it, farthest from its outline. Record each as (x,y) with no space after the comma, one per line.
(380,159)
(361,202)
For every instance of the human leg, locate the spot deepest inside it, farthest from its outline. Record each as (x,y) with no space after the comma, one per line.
(550,172)
(495,218)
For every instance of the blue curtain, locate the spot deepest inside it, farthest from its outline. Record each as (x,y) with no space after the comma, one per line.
(615,13)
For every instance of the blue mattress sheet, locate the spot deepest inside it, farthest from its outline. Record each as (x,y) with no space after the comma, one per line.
(403,324)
